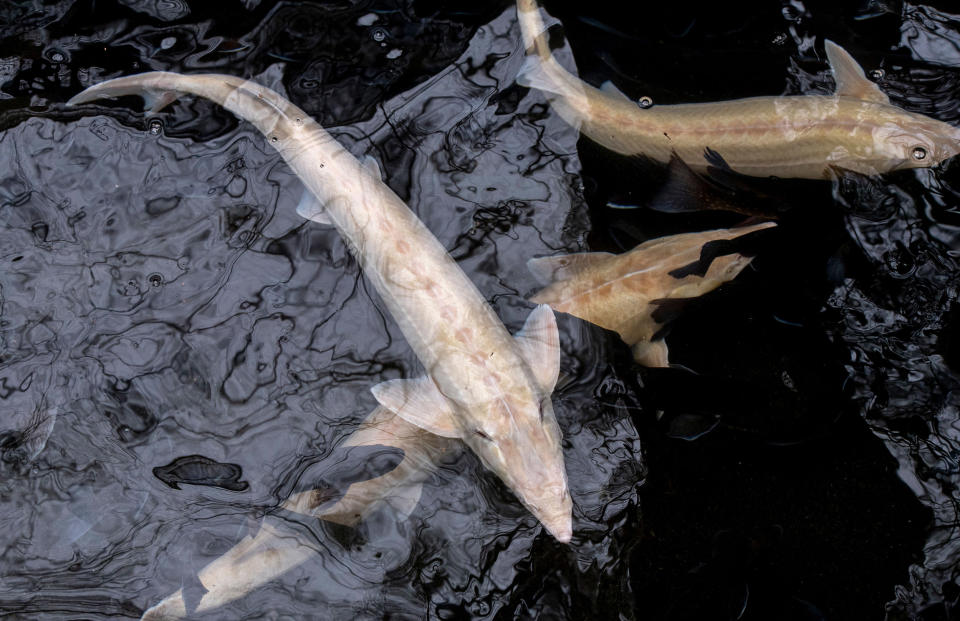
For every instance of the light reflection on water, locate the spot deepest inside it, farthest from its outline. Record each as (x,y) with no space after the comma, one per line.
(160,298)
(176,305)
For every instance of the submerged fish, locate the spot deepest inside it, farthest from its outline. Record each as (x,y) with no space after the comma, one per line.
(273,550)
(483,386)
(399,488)
(797,136)
(637,293)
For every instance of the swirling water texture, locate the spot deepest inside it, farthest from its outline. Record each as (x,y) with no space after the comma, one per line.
(169,301)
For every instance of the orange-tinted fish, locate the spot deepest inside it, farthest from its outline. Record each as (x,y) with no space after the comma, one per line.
(637,293)
(806,136)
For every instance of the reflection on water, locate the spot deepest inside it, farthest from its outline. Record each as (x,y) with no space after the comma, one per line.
(186,321)
(165,310)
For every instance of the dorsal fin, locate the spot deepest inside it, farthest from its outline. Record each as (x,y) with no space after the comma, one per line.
(539,344)
(561,267)
(611,89)
(851,81)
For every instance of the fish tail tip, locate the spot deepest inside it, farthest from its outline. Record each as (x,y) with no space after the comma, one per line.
(145,85)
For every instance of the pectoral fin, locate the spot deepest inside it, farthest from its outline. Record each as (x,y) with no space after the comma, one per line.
(651,353)
(851,81)
(539,344)
(372,167)
(404,498)
(419,402)
(311,209)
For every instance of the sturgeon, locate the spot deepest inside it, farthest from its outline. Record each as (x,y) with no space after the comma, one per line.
(482,386)
(637,293)
(275,548)
(857,128)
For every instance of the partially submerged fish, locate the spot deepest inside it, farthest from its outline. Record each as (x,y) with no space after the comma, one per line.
(275,549)
(482,386)
(637,293)
(398,488)
(797,136)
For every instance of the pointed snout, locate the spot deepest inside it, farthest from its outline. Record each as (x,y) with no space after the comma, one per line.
(561,527)
(554,509)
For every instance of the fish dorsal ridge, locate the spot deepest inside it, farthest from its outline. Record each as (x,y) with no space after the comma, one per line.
(419,402)
(539,344)
(851,81)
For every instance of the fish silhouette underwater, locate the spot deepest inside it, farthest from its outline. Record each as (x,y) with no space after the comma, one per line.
(274,548)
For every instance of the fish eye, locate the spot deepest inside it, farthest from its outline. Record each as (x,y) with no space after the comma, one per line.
(919,154)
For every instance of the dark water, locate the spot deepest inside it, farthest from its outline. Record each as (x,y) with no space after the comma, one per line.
(160,299)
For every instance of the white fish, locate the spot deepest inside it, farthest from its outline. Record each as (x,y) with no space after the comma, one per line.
(272,551)
(482,386)
(805,136)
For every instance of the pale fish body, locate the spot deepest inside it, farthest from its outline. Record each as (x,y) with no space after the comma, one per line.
(270,552)
(636,293)
(482,385)
(797,136)
(399,488)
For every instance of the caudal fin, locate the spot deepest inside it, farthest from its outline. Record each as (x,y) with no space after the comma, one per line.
(566,92)
(266,109)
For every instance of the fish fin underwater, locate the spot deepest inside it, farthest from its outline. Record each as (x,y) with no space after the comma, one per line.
(419,402)
(309,208)
(539,343)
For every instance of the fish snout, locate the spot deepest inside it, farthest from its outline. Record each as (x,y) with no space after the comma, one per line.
(554,509)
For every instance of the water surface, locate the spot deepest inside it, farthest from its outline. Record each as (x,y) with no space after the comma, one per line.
(162,300)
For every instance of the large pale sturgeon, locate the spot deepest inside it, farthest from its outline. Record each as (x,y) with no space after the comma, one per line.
(483,386)
(857,128)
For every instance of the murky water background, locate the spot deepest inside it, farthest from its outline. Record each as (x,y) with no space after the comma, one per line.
(159,299)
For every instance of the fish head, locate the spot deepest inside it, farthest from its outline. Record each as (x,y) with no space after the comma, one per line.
(519,440)
(909,140)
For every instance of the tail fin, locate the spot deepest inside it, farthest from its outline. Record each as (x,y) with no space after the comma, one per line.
(532,28)
(568,94)
(264,108)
